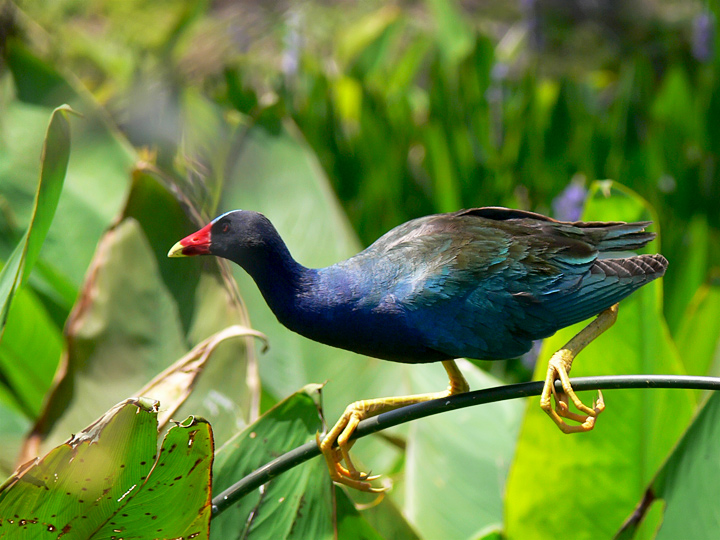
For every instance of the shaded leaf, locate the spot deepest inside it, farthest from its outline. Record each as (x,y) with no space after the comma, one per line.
(173,386)
(689,482)
(123,330)
(29,362)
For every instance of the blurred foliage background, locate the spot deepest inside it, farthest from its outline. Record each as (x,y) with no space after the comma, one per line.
(340,120)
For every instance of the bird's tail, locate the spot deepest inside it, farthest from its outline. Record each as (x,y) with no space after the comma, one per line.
(617,236)
(643,268)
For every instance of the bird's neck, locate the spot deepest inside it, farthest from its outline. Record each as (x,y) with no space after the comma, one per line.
(282,281)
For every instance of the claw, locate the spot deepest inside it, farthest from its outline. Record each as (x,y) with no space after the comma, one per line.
(559,367)
(343,430)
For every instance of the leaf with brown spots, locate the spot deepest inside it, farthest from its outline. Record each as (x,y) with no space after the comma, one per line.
(78,484)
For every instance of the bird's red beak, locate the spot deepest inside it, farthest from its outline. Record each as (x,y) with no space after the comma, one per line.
(197,243)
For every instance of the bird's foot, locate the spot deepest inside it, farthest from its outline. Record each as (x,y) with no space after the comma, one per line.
(347,475)
(558,367)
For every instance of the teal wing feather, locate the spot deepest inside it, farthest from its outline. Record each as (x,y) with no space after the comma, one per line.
(493,280)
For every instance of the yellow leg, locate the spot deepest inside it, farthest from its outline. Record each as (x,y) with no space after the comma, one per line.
(559,367)
(358,411)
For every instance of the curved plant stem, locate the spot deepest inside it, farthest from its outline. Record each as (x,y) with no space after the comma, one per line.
(420,410)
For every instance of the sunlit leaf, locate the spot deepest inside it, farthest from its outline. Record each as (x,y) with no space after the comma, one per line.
(109,480)
(698,337)
(78,485)
(632,436)
(689,483)
(458,462)
(28,391)
(180,481)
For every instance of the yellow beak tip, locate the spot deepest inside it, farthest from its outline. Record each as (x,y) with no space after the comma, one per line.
(176,251)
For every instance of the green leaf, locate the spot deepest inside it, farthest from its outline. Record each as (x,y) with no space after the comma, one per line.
(29,363)
(278,509)
(13,426)
(55,156)
(78,485)
(689,274)
(88,204)
(458,462)
(632,436)
(442,169)
(351,524)
(123,331)
(109,480)
(698,338)
(689,482)
(174,501)
(28,391)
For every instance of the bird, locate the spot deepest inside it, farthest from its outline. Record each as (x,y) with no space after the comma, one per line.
(481,283)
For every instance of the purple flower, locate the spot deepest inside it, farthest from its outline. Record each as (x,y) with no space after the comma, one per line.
(703,37)
(568,206)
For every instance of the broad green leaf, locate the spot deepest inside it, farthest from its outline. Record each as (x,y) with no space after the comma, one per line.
(689,275)
(174,501)
(109,480)
(78,485)
(458,462)
(689,483)
(698,337)
(350,522)
(278,509)
(13,426)
(123,331)
(298,504)
(128,325)
(97,173)
(632,436)
(29,363)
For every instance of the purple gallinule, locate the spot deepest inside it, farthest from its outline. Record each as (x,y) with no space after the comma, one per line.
(480,283)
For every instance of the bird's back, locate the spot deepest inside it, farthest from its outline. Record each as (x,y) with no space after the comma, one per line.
(484,283)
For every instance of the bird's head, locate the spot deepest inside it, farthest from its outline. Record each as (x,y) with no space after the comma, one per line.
(234,235)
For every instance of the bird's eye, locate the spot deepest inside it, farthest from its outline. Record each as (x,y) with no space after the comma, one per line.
(226,228)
